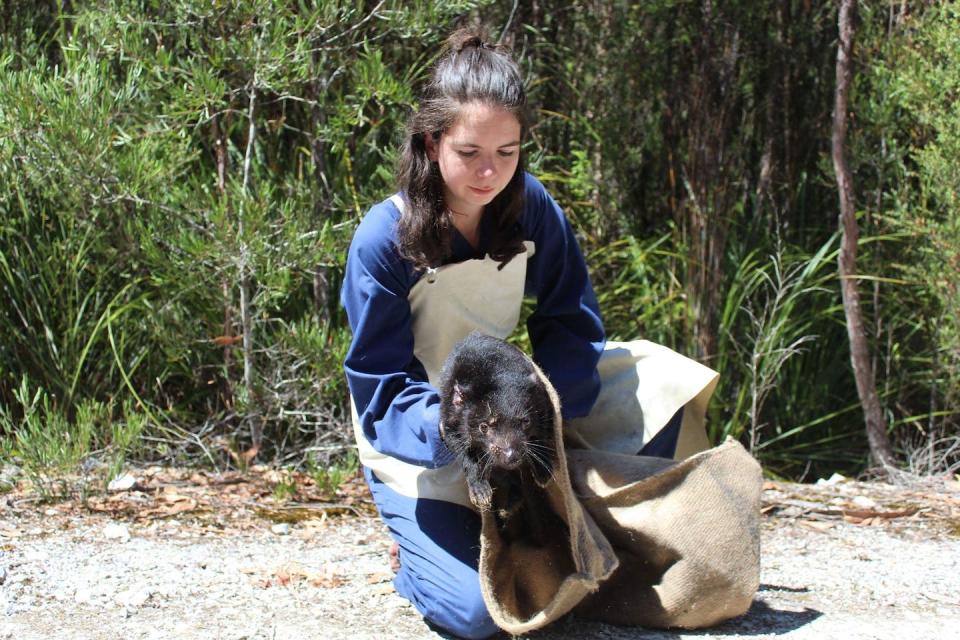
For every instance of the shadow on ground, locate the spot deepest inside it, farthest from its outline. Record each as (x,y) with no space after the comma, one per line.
(761,620)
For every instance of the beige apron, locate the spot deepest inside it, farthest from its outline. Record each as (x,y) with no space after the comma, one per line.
(642,384)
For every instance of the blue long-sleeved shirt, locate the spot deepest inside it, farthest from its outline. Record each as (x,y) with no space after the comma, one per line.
(398,408)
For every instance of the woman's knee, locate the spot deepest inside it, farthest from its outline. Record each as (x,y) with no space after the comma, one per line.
(474,617)
(459,610)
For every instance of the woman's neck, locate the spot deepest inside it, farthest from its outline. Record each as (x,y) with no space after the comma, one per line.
(468,224)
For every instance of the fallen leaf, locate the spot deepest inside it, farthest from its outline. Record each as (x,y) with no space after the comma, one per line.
(816,525)
(245,457)
(328,578)
(199,479)
(171,497)
(864,514)
(180,505)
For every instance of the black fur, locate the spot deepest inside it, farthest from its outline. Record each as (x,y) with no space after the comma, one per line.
(497,417)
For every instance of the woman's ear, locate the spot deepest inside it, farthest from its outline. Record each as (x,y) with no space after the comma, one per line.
(432,145)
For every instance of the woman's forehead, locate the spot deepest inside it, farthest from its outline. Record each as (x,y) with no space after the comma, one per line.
(480,124)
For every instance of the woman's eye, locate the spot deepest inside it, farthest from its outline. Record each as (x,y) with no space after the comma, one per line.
(467,154)
(505,154)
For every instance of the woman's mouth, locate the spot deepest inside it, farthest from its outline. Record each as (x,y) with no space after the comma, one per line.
(481,192)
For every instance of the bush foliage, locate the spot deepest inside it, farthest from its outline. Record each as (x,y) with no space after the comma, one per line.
(180,181)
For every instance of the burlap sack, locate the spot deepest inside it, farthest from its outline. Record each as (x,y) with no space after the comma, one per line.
(528,584)
(686,534)
(647,542)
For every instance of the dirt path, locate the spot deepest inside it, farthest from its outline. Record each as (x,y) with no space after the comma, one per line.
(847,560)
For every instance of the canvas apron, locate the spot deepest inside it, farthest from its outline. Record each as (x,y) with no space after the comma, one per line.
(642,384)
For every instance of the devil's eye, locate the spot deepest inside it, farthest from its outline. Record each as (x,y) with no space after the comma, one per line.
(482,428)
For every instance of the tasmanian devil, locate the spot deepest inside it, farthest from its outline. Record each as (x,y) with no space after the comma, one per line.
(497,417)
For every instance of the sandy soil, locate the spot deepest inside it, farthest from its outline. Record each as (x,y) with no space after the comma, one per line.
(187,555)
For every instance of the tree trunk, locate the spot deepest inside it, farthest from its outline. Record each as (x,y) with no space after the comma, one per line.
(246,277)
(220,148)
(880,449)
(709,170)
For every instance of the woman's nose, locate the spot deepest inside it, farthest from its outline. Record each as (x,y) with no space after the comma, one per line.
(486,169)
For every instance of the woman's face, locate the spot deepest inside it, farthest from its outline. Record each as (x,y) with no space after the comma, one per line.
(477,156)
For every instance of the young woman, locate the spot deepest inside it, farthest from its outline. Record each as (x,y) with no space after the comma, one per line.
(468,236)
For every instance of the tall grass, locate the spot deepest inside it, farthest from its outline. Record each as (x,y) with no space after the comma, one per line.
(782,374)
(770,313)
(639,290)
(46,258)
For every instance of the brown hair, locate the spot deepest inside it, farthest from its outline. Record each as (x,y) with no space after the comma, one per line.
(469,70)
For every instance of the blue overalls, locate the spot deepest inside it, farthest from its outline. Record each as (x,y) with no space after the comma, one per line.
(426,508)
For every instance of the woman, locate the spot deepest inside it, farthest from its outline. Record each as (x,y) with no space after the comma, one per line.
(469,234)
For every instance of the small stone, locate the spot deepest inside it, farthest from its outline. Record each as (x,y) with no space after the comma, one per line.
(38,555)
(116,531)
(133,597)
(50,512)
(281,529)
(122,483)
(83,596)
(10,472)
(836,478)
(864,502)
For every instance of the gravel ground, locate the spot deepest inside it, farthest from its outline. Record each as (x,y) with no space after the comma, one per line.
(841,561)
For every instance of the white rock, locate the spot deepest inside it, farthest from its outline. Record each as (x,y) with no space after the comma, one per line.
(38,556)
(864,502)
(281,529)
(10,471)
(834,479)
(83,596)
(136,597)
(122,483)
(116,531)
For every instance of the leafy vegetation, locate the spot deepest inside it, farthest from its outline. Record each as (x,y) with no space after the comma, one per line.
(179,182)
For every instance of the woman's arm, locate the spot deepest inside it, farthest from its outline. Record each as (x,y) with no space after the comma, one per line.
(398,409)
(566,329)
